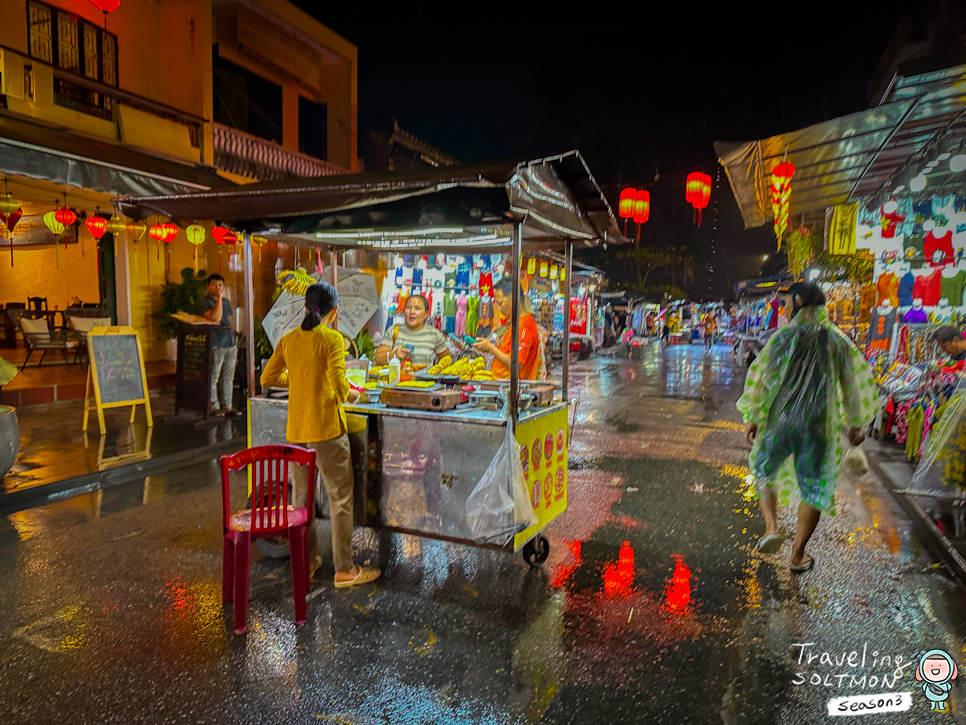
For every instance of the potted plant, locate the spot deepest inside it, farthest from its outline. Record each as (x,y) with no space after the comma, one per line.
(179,297)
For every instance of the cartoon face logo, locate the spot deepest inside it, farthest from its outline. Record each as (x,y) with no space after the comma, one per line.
(548,446)
(525,458)
(536,453)
(936,671)
(535,494)
(560,441)
(548,488)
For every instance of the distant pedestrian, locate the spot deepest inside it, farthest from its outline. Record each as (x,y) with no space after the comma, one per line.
(808,386)
(650,324)
(710,327)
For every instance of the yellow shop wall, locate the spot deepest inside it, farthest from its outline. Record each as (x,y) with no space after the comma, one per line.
(35,274)
(148,275)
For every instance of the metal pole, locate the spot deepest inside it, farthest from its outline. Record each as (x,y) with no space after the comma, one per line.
(333,260)
(515,323)
(568,267)
(250,314)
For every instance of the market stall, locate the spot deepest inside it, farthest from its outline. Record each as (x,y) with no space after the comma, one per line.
(431,447)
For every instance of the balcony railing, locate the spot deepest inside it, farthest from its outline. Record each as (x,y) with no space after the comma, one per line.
(241,153)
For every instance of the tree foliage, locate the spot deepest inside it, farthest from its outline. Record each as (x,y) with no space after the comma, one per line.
(181,297)
(806,250)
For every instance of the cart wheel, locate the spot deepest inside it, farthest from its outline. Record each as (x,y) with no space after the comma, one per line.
(536,551)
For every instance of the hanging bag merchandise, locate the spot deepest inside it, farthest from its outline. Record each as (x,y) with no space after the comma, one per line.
(499,507)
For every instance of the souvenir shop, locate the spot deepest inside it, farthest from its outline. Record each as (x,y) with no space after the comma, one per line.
(586,310)
(458,288)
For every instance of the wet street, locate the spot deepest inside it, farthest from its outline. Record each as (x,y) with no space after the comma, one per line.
(652,607)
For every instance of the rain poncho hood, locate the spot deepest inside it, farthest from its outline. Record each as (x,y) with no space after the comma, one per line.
(808,386)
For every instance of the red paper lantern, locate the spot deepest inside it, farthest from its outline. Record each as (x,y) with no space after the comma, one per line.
(697,191)
(66,216)
(218,234)
(229,237)
(642,206)
(97,226)
(157,232)
(107,6)
(170,232)
(625,208)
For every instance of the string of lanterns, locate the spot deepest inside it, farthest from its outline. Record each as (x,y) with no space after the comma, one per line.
(635,204)
(59,220)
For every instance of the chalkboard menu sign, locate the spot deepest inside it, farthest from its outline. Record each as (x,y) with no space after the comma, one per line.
(116,372)
(193,390)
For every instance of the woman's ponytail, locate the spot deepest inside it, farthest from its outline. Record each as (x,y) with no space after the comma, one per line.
(320,299)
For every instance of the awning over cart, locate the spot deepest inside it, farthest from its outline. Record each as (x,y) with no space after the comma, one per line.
(864,155)
(557,198)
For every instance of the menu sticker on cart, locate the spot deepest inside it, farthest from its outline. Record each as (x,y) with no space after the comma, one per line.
(525,462)
(547,486)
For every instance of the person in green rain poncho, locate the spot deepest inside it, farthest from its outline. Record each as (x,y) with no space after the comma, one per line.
(808,386)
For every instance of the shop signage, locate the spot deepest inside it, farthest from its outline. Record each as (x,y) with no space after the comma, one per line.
(116,374)
(193,386)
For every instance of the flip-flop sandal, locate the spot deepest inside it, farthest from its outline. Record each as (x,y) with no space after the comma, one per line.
(315,566)
(364,576)
(800,568)
(770,544)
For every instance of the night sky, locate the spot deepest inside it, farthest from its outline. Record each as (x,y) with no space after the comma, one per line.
(641,91)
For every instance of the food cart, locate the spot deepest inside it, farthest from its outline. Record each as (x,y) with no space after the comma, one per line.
(426,462)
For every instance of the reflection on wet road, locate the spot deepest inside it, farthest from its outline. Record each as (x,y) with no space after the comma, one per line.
(652,607)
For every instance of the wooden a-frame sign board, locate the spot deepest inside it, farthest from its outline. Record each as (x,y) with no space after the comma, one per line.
(116,373)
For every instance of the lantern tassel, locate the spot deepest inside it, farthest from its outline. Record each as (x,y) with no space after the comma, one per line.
(318,259)
(219,260)
(57,252)
(638,232)
(11,251)
(196,259)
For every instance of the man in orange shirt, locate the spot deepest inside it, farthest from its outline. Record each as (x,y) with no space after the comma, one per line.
(529,352)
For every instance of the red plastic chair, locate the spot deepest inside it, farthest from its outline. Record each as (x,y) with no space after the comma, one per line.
(271,515)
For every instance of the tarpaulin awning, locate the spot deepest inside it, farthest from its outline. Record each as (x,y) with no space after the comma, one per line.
(557,198)
(49,153)
(862,156)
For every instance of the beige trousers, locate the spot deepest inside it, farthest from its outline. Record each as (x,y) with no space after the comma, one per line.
(334,462)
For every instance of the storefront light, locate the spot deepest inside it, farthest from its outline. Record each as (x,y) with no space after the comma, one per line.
(917,184)
(957,163)
(942,157)
(813,274)
(899,189)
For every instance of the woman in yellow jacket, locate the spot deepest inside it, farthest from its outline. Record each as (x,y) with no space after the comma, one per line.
(310,361)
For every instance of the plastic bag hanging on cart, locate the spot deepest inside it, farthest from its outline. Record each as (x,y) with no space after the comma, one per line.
(499,507)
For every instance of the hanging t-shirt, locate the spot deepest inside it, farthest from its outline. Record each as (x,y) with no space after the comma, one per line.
(951,288)
(939,249)
(888,288)
(906,285)
(486,286)
(867,300)
(463,275)
(913,249)
(927,288)
(915,317)
(880,329)
(890,222)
